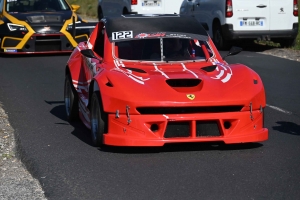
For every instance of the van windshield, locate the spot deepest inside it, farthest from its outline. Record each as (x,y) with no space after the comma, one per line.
(163,49)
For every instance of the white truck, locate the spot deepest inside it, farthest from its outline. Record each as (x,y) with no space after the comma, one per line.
(121,7)
(228,20)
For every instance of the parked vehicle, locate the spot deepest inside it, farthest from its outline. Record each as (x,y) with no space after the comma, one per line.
(40,26)
(229,20)
(122,7)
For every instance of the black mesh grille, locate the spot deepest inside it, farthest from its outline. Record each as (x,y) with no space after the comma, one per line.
(48,38)
(188,110)
(177,129)
(207,128)
(10,42)
(48,46)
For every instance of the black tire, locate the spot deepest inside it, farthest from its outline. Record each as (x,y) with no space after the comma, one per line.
(71,100)
(218,38)
(100,14)
(98,120)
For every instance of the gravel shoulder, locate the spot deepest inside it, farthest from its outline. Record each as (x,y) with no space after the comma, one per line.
(17,183)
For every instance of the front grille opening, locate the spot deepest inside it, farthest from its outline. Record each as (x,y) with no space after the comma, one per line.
(207,128)
(47,38)
(154,128)
(183,82)
(177,129)
(48,46)
(227,125)
(187,110)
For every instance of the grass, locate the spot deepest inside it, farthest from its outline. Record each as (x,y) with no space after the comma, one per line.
(89,8)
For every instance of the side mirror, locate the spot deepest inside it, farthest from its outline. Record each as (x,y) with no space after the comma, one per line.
(89,54)
(75,7)
(233,51)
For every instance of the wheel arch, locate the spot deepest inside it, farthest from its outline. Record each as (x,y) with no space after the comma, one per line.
(125,11)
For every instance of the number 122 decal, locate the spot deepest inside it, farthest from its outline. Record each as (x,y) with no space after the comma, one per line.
(122,35)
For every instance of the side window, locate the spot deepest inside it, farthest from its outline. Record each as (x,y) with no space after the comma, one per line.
(99,43)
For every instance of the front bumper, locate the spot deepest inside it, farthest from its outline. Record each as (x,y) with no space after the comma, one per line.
(40,43)
(230,34)
(237,127)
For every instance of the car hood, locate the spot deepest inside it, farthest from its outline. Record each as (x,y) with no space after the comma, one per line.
(44,18)
(181,84)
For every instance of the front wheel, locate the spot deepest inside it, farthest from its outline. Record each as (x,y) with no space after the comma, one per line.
(98,121)
(71,99)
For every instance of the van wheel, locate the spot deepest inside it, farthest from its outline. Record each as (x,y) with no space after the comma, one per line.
(286,43)
(98,120)
(100,14)
(218,38)
(71,100)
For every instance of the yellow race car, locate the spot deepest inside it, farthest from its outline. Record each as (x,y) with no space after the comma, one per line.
(40,26)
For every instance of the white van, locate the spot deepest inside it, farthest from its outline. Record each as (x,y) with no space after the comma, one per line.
(228,20)
(121,7)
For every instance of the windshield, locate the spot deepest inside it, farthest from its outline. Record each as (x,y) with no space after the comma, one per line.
(19,6)
(163,49)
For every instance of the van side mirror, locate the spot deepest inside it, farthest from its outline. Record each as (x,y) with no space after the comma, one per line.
(233,51)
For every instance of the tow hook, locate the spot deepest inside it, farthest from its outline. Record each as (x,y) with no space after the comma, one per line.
(251,114)
(117,114)
(127,114)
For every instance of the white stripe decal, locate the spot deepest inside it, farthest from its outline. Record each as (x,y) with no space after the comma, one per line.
(227,78)
(185,69)
(162,73)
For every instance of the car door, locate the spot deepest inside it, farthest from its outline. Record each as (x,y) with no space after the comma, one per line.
(251,15)
(203,11)
(281,14)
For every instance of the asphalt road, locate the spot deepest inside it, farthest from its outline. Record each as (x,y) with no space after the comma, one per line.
(61,157)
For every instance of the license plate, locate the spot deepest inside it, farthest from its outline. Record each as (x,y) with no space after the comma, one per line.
(251,23)
(151,3)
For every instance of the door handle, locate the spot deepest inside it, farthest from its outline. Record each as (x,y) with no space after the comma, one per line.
(261,6)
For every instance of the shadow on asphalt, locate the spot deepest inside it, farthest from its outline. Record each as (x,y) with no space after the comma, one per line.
(183,147)
(287,127)
(251,46)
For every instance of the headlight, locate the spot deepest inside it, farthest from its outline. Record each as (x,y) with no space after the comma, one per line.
(16,27)
(69,27)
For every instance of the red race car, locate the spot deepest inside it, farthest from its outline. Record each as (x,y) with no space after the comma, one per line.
(148,80)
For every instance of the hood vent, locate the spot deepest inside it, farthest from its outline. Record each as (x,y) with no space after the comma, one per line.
(44,18)
(209,68)
(135,70)
(183,82)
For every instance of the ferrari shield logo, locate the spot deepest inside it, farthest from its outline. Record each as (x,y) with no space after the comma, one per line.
(191,96)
